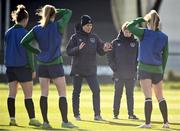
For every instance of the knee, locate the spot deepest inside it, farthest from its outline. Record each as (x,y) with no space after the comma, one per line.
(76,91)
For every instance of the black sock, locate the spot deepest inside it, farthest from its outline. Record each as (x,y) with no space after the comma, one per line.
(163,109)
(11,107)
(63,108)
(148,110)
(44,108)
(30,108)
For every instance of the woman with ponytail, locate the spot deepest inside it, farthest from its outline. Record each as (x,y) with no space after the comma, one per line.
(20,67)
(153,54)
(48,35)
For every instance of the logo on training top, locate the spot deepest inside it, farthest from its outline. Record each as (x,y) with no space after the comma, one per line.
(92,40)
(132,44)
(80,40)
(119,44)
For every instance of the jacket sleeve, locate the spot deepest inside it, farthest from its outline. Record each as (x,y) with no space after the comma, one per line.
(72,48)
(65,15)
(100,45)
(165,56)
(28,44)
(31,61)
(111,59)
(136,60)
(132,27)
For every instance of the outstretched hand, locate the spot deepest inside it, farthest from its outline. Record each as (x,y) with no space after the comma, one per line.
(107,47)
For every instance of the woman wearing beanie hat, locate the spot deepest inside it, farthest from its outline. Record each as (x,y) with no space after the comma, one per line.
(83,46)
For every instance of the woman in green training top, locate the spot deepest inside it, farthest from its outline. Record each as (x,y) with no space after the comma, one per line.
(152,57)
(48,35)
(20,66)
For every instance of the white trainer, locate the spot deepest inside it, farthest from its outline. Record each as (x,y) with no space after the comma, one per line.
(165,125)
(145,126)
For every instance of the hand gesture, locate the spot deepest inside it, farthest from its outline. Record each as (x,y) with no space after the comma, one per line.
(81,45)
(107,47)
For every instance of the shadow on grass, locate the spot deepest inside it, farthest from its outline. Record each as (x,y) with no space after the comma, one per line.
(166,129)
(155,122)
(111,123)
(13,126)
(59,129)
(38,128)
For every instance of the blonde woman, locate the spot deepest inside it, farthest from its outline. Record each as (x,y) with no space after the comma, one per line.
(153,54)
(20,67)
(48,35)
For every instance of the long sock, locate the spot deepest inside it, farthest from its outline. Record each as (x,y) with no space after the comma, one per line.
(44,108)
(30,107)
(148,110)
(163,109)
(11,107)
(63,108)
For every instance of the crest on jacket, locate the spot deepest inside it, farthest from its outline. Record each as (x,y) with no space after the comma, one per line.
(92,40)
(132,44)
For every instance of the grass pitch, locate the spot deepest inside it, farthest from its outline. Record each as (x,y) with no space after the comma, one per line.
(88,124)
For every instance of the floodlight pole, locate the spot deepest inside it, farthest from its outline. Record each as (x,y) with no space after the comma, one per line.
(0,25)
(7,14)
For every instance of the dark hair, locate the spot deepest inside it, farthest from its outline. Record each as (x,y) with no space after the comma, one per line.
(19,14)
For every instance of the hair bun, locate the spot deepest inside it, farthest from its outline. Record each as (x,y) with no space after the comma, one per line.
(20,8)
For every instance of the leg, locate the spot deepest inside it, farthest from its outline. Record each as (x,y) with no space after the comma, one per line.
(27,89)
(13,86)
(162,103)
(77,84)
(94,86)
(44,83)
(29,104)
(129,85)
(61,87)
(146,85)
(119,83)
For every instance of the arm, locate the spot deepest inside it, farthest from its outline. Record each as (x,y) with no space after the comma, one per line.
(27,42)
(134,29)
(100,45)
(31,60)
(65,15)
(72,49)
(165,56)
(111,61)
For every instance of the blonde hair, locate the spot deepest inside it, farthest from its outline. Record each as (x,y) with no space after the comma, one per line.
(153,19)
(46,13)
(19,14)
(124,26)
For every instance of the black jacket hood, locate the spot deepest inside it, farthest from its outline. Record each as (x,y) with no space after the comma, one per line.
(121,36)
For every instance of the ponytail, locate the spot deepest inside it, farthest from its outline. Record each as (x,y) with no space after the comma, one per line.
(19,14)
(154,20)
(46,13)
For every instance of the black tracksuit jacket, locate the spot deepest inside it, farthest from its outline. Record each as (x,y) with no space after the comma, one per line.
(84,61)
(123,57)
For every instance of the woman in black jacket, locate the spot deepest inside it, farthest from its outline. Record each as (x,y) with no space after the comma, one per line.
(83,46)
(123,62)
